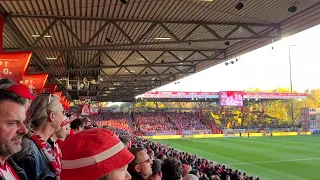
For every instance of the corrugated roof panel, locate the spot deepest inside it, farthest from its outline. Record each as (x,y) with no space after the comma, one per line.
(151,55)
(166,70)
(182,54)
(106,61)
(123,71)
(136,70)
(157,32)
(119,56)
(201,33)
(180,30)
(110,71)
(264,11)
(167,57)
(135,58)
(241,32)
(8,39)
(196,56)
(209,53)
(222,30)
(134,29)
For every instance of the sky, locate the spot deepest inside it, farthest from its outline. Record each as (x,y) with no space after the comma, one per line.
(265,68)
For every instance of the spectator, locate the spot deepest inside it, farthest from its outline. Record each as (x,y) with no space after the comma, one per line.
(185,169)
(125,141)
(5,83)
(195,172)
(162,157)
(38,156)
(140,168)
(156,170)
(95,154)
(77,126)
(150,152)
(60,135)
(190,177)
(171,169)
(22,91)
(19,89)
(12,129)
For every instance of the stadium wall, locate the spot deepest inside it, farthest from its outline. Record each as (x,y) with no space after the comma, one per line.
(201,136)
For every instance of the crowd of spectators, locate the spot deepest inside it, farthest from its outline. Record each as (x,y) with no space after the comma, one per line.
(187,121)
(108,115)
(39,140)
(151,122)
(120,124)
(170,164)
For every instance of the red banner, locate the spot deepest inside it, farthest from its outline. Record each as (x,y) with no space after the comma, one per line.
(62,99)
(49,88)
(85,110)
(65,104)
(58,93)
(35,82)
(14,64)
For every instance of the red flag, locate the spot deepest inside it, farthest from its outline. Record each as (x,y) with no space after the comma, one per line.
(14,64)
(58,93)
(35,82)
(62,99)
(49,88)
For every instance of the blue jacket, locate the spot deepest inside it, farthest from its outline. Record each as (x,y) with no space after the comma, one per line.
(20,172)
(33,162)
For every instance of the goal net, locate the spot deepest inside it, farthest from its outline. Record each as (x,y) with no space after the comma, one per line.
(233,132)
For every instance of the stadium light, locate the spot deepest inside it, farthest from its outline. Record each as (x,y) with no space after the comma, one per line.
(239,5)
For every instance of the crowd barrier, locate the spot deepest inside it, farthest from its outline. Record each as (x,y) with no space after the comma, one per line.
(198,136)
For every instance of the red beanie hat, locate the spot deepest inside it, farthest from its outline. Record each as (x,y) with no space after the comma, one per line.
(93,153)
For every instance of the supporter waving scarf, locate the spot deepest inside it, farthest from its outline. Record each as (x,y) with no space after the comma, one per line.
(53,157)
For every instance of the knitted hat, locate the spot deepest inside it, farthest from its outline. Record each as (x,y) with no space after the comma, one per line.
(93,153)
(21,90)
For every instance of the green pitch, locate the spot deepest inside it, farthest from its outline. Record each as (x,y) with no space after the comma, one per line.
(286,158)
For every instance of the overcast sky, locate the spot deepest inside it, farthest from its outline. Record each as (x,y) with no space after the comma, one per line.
(264,68)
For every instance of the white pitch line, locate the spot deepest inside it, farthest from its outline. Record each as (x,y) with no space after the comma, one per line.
(289,160)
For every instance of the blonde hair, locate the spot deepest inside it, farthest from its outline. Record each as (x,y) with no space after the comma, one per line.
(40,108)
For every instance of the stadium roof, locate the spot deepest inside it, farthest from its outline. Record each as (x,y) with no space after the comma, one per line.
(142,44)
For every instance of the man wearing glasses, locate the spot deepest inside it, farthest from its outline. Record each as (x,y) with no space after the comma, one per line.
(12,129)
(38,155)
(140,168)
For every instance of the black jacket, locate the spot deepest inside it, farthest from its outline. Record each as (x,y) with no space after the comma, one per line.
(20,172)
(136,176)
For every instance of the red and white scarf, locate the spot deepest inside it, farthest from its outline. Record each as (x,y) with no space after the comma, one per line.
(53,157)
